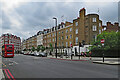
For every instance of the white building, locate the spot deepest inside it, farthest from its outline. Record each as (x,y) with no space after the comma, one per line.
(40,38)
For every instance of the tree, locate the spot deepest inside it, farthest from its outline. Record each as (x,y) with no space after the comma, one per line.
(111,44)
(42,48)
(33,48)
(51,47)
(39,48)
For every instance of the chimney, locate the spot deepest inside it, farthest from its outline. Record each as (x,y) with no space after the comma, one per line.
(116,24)
(108,23)
(82,12)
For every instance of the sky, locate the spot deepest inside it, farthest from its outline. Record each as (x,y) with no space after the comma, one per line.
(25,18)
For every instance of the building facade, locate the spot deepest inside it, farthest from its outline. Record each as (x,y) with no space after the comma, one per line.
(111,27)
(11,39)
(84,28)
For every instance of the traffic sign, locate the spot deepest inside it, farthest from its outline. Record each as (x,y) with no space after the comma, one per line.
(70,45)
(102,40)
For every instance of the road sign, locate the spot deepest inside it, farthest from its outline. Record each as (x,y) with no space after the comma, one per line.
(70,45)
(102,40)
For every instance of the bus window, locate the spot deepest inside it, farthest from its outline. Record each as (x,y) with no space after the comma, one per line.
(9,50)
(9,46)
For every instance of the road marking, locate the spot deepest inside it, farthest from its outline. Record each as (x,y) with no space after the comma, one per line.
(14,62)
(7,74)
(10,74)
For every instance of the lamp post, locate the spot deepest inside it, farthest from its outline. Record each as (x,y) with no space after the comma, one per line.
(56,35)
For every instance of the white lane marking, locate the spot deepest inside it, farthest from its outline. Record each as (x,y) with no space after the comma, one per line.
(13,62)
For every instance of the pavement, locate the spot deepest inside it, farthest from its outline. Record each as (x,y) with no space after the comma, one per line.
(99,60)
(25,66)
(1,73)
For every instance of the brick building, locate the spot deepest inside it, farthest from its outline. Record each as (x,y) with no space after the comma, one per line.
(111,27)
(11,39)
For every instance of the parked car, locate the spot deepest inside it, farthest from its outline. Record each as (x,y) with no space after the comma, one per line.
(42,54)
(32,53)
(26,53)
(36,53)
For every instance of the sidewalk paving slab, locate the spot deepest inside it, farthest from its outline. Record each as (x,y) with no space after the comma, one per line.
(107,62)
(1,73)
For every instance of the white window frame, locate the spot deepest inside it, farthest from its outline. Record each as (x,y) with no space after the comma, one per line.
(94,19)
(66,44)
(70,29)
(76,23)
(76,40)
(66,30)
(76,31)
(94,28)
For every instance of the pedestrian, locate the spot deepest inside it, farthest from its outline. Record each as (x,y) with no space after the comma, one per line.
(90,53)
(82,53)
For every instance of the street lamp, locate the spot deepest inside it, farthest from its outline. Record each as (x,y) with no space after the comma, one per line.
(56,36)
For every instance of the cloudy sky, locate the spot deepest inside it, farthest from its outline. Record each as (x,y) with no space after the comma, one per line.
(25,18)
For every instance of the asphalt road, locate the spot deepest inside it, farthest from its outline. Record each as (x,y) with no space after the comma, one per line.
(24,66)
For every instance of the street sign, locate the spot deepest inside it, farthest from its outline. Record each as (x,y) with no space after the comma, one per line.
(70,45)
(102,41)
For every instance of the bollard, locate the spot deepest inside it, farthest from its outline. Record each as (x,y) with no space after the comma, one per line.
(71,56)
(79,56)
(103,57)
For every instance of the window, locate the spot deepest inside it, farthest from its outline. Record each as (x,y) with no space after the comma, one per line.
(70,29)
(63,25)
(53,34)
(70,36)
(66,44)
(62,37)
(59,38)
(94,28)
(76,31)
(62,44)
(99,24)
(70,43)
(53,40)
(94,37)
(66,37)
(99,31)
(66,31)
(76,23)
(59,44)
(94,19)
(76,40)
(59,32)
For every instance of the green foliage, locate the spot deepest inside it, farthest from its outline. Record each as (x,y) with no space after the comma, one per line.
(112,41)
(38,48)
(51,47)
(33,48)
(42,48)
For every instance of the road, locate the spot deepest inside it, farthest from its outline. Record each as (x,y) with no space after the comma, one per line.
(24,66)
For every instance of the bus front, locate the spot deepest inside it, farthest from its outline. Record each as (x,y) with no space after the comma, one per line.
(9,50)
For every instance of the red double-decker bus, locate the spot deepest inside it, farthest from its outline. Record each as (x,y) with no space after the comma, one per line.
(8,50)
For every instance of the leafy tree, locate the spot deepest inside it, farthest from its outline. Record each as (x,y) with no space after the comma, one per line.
(42,48)
(51,47)
(33,48)
(38,48)
(111,44)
